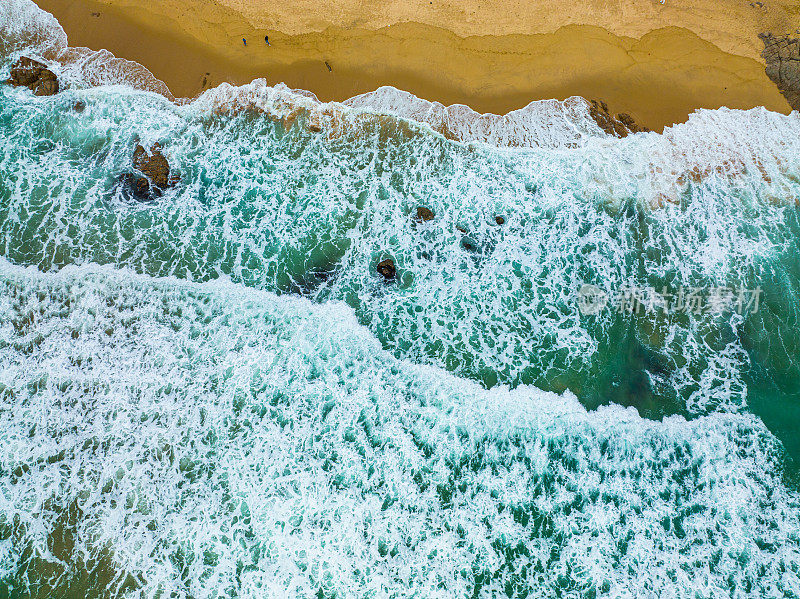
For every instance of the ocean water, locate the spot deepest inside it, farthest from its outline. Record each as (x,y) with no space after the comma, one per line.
(214,394)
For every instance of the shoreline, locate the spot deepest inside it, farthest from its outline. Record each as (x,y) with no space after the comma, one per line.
(659,78)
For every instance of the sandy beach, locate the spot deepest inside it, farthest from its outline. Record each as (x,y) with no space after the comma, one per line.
(656,62)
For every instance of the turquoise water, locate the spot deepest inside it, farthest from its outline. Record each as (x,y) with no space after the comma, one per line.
(214,394)
(293,212)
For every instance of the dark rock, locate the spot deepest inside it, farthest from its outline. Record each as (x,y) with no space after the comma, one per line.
(423,214)
(386,269)
(34,75)
(155,168)
(141,187)
(153,164)
(79,106)
(621,126)
(46,87)
(782,55)
(499,220)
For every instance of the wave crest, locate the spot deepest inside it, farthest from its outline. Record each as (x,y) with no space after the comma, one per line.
(277,451)
(26,28)
(550,124)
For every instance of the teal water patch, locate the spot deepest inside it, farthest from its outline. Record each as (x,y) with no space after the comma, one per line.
(294,211)
(167,439)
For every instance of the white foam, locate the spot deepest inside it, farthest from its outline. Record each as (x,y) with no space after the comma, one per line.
(83,67)
(550,124)
(221,440)
(24,26)
(721,145)
(270,206)
(723,142)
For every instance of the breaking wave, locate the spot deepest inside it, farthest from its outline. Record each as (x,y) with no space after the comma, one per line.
(212,440)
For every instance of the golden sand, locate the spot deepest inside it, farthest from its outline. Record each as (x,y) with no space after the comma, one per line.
(656,62)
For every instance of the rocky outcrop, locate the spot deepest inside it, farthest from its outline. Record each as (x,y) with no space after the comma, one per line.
(153,164)
(782,55)
(155,173)
(423,214)
(620,126)
(387,269)
(34,75)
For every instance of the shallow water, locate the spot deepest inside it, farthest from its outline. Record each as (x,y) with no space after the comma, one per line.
(214,394)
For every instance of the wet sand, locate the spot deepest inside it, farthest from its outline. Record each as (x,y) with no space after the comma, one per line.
(643,64)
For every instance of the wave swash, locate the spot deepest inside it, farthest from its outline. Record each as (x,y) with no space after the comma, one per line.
(214,394)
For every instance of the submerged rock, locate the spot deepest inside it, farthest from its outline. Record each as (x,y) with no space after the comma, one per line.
(469,244)
(34,75)
(782,55)
(499,220)
(155,168)
(314,123)
(621,126)
(630,123)
(387,269)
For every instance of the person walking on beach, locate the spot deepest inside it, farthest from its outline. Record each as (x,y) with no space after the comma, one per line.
(244,41)
(266,39)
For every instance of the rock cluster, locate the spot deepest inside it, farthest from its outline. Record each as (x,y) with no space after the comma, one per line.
(782,55)
(155,177)
(35,76)
(621,126)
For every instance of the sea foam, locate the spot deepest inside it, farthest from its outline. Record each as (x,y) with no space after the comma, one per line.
(212,440)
